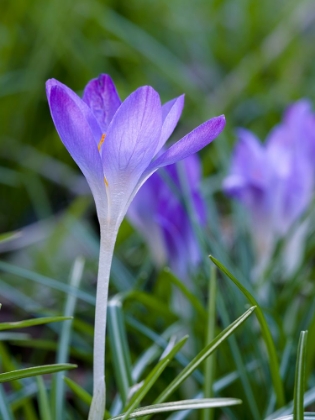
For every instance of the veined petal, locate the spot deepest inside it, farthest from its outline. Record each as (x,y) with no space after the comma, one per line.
(84,109)
(131,141)
(101,96)
(171,112)
(77,130)
(191,143)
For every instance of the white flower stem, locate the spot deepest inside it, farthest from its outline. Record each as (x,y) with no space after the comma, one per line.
(108,239)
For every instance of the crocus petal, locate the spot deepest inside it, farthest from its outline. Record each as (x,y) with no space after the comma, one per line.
(101,96)
(84,109)
(297,112)
(77,129)
(249,160)
(131,141)
(171,112)
(191,143)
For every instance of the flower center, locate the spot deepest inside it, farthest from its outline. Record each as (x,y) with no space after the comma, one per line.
(100,144)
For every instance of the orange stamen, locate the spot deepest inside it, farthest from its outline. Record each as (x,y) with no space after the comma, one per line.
(101,142)
(106,182)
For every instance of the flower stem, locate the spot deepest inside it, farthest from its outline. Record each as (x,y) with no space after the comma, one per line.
(108,239)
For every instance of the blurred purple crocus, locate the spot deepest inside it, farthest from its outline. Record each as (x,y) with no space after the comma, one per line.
(160,216)
(118,146)
(275,180)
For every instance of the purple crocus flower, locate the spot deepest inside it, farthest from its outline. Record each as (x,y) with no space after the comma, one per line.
(118,146)
(161,217)
(275,180)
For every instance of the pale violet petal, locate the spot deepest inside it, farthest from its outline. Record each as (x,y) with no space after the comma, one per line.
(171,112)
(101,96)
(77,131)
(131,142)
(190,144)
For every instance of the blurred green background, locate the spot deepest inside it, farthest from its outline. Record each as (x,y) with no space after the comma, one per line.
(244,58)
(247,59)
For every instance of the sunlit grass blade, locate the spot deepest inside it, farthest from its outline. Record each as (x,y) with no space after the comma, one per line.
(145,388)
(46,281)
(64,341)
(9,364)
(152,378)
(32,322)
(152,353)
(43,403)
(209,366)
(273,359)
(299,385)
(82,394)
(238,359)
(309,398)
(195,302)
(306,416)
(34,371)
(181,405)
(187,371)
(119,346)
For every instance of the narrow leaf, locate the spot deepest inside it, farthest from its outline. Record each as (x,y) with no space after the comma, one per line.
(187,371)
(58,385)
(32,322)
(43,400)
(209,366)
(195,302)
(307,416)
(34,371)
(81,393)
(152,378)
(299,385)
(274,365)
(119,348)
(147,385)
(180,405)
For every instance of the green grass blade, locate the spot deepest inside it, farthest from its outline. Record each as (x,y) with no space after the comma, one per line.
(209,368)
(273,359)
(145,388)
(81,393)
(32,322)
(187,371)
(181,405)
(195,302)
(46,281)
(306,416)
(119,346)
(152,353)
(43,400)
(152,378)
(34,371)
(299,385)
(64,341)
(238,359)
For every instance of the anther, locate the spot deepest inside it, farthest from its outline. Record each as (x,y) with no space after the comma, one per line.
(101,142)
(105,181)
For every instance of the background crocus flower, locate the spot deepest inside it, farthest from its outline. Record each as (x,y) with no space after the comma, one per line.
(159,213)
(275,181)
(117,146)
